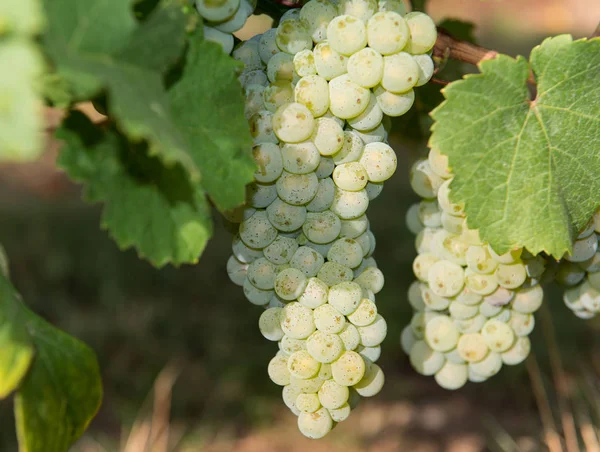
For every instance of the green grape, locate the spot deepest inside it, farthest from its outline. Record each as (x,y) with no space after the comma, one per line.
(324,347)
(424,359)
(324,197)
(521,324)
(480,283)
(329,63)
(400,72)
(488,366)
(277,94)
(217,11)
(394,104)
(322,227)
(292,36)
(374,333)
(281,67)
(315,294)
(350,337)
(346,252)
(460,311)
(348,369)
(441,333)
(260,196)
(349,204)
(347,34)
(372,382)
(422,264)
(247,53)
(345,297)
(371,353)
(328,136)
(371,279)
(269,324)
(429,213)
(328,319)
(243,253)
(333,395)
(512,275)
(278,371)
(307,260)
(281,250)
(432,301)
(286,217)
(498,336)
(352,149)
(316,15)
(261,128)
(444,200)
(446,278)
(472,347)
(269,160)
(471,325)
(347,99)
(307,403)
(315,425)
(379,161)
(518,352)
(439,163)
(257,231)
(302,365)
(237,21)
(313,92)
(289,345)
(365,68)
(426,70)
(424,181)
(387,32)
(369,119)
(354,227)
(261,273)
(293,123)
(236,270)
(290,284)
(423,33)
(583,249)
(452,376)
(267,47)
(297,189)
(225,40)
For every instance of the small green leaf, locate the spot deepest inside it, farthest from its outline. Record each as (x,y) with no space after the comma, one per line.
(147,205)
(527,170)
(16,348)
(61,393)
(208,105)
(97,44)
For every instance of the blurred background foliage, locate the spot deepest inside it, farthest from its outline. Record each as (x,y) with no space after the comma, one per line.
(183,362)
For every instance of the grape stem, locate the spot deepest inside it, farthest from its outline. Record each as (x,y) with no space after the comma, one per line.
(449,47)
(596,32)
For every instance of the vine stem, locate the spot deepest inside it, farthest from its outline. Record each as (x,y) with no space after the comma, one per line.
(449,47)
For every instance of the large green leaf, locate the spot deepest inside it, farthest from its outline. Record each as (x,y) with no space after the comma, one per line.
(59,389)
(16,347)
(62,392)
(208,106)
(147,205)
(97,44)
(527,170)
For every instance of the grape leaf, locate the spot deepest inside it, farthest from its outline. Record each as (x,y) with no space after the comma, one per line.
(97,44)
(527,170)
(147,205)
(208,106)
(16,348)
(59,390)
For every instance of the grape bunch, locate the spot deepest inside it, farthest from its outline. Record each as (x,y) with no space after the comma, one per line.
(580,272)
(222,18)
(473,308)
(319,92)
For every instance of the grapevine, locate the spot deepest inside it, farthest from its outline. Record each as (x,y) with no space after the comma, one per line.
(288,136)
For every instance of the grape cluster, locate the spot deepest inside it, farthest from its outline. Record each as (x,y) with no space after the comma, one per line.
(319,89)
(224,17)
(473,308)
(580,272)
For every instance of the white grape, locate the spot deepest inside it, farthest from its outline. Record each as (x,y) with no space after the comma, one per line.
(370,118)
(372,382)
(446,278)
(302,365)
(354,227)
(347,34)
(315,294)
(480,283)
(345,297)
(379,161)
(247,53)
(261,128)
(315,425)
(225,40)
(472,347)
(260,196)
(423,33)
(307,260)
(269,160)
(400,72)
(328,136)
(346,252)
(324,196)
(300,158)
(236,271)
(242,252)
(471,325)
(512,275)
(488,366)
(322,227)
(387,32)
(461,311)
(441,333)
(277,94)
(329,63)
(269,324)
(316,15)
(313,92)
(394,104)
(292,36)
(261,273)
(267,47)
(290,284)
(293,123)
(498,335)
(328,319)
(422,264)
(452,376)
(349,204)
(518,352)
(374,333)
(433,301)
(257,231)
(424,359)
(350,337)
(378,134)
(348,369)
(372,279)
(324,347)
(426,69)
(347,99)
(333,395)
(397,6)
(280,67)
(583,249)
(217,11)
(325,168)
(297,189)
(439,163)
(352,149)
(365,68)
(308,403)
(372,353)
(278,371)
